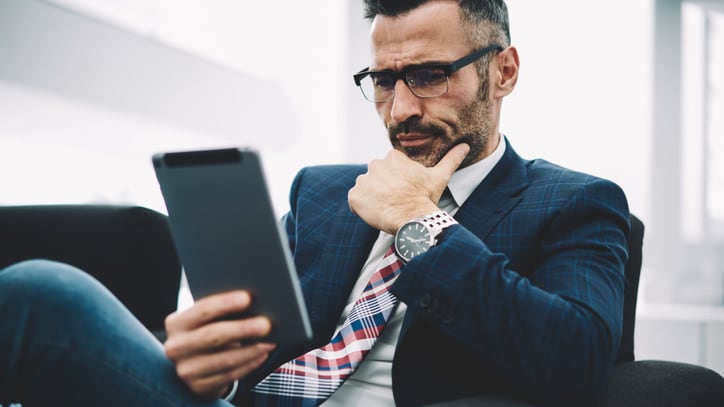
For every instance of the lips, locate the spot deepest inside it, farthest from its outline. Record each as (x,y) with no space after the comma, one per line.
(413,140)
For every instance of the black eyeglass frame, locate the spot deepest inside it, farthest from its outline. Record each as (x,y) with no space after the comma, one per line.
(448,69)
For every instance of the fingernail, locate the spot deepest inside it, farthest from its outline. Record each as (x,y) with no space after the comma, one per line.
(242,298)
(267,346)
(263,324)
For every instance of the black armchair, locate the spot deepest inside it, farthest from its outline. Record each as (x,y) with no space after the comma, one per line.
(661,383)
(127,248)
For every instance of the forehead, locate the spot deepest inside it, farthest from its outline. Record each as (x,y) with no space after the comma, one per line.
(432,32)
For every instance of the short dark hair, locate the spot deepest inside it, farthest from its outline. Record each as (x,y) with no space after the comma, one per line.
(487,19)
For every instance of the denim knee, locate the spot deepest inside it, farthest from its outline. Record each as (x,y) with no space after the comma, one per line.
(45,281)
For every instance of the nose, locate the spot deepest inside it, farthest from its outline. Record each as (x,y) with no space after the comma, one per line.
(404,103)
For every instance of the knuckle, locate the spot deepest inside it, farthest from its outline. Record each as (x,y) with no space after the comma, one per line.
(185,373)
(170,321)
(228,363)
(206,314)
(172,349)
(197,387)
(228,376)
(255,363)
(215,338)
(360,179)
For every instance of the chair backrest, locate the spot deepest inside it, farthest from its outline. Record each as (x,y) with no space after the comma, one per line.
(127,248)
(633,273)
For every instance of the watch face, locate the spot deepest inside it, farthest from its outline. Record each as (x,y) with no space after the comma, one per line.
(411,240)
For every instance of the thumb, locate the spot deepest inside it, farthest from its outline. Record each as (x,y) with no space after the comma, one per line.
(452,160)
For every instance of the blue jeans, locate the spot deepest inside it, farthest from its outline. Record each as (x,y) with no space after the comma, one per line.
(66,340)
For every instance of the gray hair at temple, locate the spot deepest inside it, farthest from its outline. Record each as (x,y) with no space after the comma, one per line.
(487,19)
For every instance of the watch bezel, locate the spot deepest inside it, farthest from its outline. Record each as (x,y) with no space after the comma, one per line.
(434,224)
(406,227)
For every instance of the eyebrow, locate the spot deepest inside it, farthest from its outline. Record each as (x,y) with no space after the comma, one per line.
(411,66)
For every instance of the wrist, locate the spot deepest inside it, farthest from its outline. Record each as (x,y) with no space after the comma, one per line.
(414,214)
(230,391)
(418,235)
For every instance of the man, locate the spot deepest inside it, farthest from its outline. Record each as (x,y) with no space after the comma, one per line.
(519,297)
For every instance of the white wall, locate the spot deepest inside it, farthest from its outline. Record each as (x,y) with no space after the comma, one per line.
(173,76)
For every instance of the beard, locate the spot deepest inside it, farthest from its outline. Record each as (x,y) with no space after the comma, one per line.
(472,126)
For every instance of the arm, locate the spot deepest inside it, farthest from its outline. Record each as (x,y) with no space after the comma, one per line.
(547,319)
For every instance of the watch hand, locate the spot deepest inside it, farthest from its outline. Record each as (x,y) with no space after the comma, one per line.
(420,240)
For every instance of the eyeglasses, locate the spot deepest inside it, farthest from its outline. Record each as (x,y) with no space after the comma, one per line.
(424,81)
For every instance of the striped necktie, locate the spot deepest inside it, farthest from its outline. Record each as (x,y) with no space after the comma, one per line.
(311,378)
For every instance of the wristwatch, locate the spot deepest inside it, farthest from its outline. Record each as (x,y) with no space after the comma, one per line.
(420,234)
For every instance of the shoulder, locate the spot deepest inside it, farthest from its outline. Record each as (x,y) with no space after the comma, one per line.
(540,170)
(574,197)
(335,174)
(326,179)
(324,182)
(558,180)
(542,179)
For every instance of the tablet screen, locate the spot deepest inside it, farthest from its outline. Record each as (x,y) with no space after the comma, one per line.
(228,237)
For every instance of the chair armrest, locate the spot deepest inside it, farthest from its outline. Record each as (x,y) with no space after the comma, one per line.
(663,383)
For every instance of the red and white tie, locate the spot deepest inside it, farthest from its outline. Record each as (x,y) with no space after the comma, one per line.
(311,378)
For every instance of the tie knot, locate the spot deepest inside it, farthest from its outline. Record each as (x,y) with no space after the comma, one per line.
(447,202)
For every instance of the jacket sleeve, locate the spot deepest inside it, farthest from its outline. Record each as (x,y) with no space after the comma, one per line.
(552,327)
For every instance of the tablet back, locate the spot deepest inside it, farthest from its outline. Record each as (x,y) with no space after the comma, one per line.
(228,237)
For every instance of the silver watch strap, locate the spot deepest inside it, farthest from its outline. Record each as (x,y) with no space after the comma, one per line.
(437,221)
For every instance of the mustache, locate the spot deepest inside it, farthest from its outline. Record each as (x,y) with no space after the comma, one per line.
(414,125)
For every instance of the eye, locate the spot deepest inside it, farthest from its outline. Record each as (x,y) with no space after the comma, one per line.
(426,77)
(382,80)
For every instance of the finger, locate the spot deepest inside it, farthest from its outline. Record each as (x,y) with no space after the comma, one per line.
(215,336)
(210,376)
(208,309)
(215,387)
(220,363)
(452,160)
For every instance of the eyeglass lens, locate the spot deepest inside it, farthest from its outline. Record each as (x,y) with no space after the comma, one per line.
(423,82)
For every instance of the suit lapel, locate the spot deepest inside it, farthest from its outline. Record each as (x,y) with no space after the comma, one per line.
(348,245)
(499,192)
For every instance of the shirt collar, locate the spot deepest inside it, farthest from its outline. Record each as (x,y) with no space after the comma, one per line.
(464,181)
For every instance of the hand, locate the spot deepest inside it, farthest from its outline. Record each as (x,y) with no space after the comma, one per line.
(397,189)
(209,353)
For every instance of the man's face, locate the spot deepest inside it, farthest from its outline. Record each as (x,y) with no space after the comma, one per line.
(426,128)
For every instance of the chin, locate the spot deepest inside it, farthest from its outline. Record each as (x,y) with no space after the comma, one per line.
(422,155)
(425,160)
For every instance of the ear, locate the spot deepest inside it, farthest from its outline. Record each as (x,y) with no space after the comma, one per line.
(506,72)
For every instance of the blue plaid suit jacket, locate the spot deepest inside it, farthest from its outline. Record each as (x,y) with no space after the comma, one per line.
(523,298)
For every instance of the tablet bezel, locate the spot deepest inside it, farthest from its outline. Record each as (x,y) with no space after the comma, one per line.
(223,224)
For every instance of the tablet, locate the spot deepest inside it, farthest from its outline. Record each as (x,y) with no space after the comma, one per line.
(228,237)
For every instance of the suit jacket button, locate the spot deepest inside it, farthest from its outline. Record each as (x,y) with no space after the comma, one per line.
(434,306)
(425,301)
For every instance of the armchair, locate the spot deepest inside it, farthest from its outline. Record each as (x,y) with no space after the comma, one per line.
(654,382)
(127,248)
